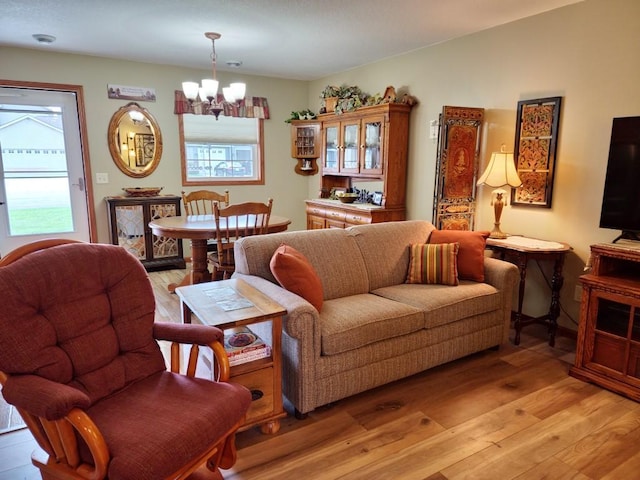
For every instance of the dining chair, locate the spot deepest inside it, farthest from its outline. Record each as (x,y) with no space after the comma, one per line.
(201,202)
(234,222)
(80,361)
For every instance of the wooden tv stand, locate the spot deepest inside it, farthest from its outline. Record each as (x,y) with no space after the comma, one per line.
(608,347)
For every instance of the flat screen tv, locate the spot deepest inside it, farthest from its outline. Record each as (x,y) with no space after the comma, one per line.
(621,198)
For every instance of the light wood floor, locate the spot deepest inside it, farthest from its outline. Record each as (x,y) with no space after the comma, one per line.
(507,414)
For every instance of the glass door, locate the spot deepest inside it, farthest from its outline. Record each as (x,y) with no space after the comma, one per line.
(42,181)
(330,148)
(372,133)
(350,147)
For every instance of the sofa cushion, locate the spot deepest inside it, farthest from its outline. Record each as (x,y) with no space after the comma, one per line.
(351,322)
(470,254)
(442,304)
(433,263)
(294,273)
(332,252)
(384,248)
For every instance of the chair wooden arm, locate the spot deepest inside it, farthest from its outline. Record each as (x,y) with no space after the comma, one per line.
(222,369)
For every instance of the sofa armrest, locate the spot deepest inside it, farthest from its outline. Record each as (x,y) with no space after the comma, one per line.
(300,341)
(301,318)
(504,276)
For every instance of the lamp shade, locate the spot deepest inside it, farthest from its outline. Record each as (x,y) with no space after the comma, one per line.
(500,172)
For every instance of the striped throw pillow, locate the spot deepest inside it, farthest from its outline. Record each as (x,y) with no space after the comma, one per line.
(433,263)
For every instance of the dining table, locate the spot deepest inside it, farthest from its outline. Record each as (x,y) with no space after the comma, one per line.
(198,229)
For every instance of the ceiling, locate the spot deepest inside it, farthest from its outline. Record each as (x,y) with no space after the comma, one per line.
(295,39)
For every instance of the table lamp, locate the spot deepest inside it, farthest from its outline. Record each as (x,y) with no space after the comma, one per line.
(500,172)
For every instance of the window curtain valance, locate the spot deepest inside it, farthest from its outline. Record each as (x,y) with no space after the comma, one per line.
(249,107)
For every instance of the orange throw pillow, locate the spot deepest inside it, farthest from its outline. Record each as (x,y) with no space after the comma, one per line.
(294,273)
(470,254)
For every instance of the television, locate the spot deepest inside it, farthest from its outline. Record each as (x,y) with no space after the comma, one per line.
(621,198)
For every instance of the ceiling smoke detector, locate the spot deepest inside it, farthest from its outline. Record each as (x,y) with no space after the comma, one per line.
(44,38)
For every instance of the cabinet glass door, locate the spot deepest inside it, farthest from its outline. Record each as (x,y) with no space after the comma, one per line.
(617,336)
(305,139)
(330,160)
(372,141)
(130,229)
(350,138)
(163,246)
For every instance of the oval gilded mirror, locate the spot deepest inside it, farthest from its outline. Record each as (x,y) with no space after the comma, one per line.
(135,141)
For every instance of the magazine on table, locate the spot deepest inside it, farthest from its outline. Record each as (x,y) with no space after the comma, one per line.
(242,345)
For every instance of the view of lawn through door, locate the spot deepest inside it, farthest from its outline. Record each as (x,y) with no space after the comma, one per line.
(36,180)
(42,190)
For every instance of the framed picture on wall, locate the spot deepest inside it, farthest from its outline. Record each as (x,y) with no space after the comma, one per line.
(535,150)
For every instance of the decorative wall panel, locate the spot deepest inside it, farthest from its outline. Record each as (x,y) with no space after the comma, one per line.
(535,150)
(457,167)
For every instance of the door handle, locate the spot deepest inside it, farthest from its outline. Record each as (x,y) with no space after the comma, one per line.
(80,184)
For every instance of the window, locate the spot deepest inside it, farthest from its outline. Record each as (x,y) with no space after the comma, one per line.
(227,151)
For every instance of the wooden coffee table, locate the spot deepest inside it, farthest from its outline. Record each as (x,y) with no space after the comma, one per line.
(233,303)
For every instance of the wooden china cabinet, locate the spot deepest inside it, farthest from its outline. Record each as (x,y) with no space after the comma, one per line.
(608,346)
(370,143)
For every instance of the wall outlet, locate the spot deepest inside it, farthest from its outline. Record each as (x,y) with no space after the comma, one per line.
(102,178)
(577,293)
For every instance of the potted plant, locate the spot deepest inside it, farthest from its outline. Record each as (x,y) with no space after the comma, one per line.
(329,97)
(301,115)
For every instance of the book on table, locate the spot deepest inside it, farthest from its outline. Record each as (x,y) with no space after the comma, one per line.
(242,345)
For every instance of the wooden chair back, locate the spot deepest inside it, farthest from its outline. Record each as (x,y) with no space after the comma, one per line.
(201,202)
(234,222)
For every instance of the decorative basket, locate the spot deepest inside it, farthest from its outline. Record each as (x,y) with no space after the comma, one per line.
(330,104)
(142,191)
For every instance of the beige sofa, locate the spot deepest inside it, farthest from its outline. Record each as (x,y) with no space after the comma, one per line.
(373,327)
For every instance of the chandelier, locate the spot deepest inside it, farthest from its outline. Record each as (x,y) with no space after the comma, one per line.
(208,91)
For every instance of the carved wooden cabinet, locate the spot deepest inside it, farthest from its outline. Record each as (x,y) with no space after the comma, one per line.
(305,145)
(370,143)
(129,219)
(608,346)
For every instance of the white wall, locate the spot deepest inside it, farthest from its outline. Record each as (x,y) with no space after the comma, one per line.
(588,53)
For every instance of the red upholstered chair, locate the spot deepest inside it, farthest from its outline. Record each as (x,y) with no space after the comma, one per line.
(79,359)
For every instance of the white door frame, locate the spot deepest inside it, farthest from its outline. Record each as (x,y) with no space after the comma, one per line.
(77,90)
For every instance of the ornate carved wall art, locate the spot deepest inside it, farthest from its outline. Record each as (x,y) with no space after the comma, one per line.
(457,167)
(535,150)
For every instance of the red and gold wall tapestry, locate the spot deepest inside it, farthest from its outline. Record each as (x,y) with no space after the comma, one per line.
(457,167)
(535,150)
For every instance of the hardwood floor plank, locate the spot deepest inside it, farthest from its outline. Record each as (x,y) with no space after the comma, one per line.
(522,451)
(628,469)
(293,446)
(429,456)
(553,469)
(344,454)
(601,452)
